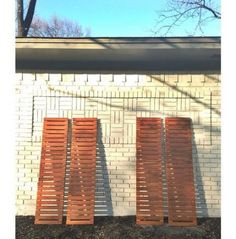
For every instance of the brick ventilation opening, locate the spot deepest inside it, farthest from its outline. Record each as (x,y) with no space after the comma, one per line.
(50,195)
(82,181)
(149,198)
(179,169)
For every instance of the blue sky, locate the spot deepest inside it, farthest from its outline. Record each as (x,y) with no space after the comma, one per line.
(116,17)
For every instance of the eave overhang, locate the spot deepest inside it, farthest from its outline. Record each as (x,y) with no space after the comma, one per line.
(119,55)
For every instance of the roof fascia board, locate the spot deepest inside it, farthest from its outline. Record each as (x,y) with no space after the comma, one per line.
(118,43)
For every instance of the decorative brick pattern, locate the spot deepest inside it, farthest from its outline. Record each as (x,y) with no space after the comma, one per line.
(116,100)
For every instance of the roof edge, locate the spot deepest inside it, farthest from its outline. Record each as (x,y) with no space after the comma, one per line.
(119,43)
(119,54)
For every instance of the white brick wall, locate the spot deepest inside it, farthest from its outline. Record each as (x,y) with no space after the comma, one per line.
(116,100)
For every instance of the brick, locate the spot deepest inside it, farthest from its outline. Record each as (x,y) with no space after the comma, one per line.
(117,190)
(93,79)
(156,80)
(118,108)
(118,181)
(106,80)
(214,79)
(54,78)
(28,78)
(131,80)
(81,79)
(184,80)
(171,80)
(68,78)
(122,204)
(119,80)
(18,77)
(130,190)
(42,77)
(24,197)
(19,201)
(197,80)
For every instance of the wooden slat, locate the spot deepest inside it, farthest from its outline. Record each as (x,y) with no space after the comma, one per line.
(50,195)
(149,202)
(179,169)
(81,194)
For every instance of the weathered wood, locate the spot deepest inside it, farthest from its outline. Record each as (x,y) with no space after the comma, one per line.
(50,195)
(179,169)
(81,194)
(149,200)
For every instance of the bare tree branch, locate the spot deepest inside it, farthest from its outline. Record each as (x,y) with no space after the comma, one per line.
(179,11)
(56,27)
(215,13)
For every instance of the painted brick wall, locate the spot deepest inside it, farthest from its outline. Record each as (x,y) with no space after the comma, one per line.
(116,100)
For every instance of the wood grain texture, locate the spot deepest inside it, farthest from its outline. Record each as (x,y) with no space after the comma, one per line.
(50,194)
(179,169)
(149,198)
(82,181)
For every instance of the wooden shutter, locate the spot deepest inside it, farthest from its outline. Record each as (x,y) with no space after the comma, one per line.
(82,172)
(149,200)
(50,195)
(179,168)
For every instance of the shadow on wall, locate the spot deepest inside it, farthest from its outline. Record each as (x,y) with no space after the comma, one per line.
(173,87)
(201,205)
(103,202)
(187,94)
